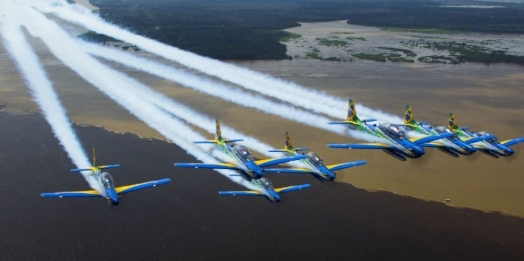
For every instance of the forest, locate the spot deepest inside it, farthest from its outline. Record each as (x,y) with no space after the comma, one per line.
(251,29)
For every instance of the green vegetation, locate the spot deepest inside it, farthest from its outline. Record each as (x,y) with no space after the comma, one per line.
(415,30)
(341,33)
(405,51)
(252,29)
(330,43)
(290,37)
(437,59)
(314,55)
(355,38)
(382,57)
(93,37)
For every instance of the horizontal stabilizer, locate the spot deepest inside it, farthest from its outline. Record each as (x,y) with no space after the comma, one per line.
(109,166)
(369,146)
(479,138)
(134,187)
(512,142)
(432,145)
(234,140)
(241,193)
(291,188)
(80,170)
(206,142)
(341,122)
(346,165)
(289,171)
(431,138)
(464,128)
(277,151)
(71,194)
(369,120)
(207,166)
(270,162)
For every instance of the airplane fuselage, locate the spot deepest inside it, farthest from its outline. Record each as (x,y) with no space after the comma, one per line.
(493,149)
(105,181)
(318,170)
(243,160)
(454,144)
(400,146)
(267,189)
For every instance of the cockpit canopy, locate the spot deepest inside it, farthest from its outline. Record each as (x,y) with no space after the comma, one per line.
(243,152)
(393,130)
(266,183)
(317,160)
(444,129)
(107,180)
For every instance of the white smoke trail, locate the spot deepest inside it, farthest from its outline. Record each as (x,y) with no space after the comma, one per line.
(116,86)
(286,91)
(44,95)
(212,88)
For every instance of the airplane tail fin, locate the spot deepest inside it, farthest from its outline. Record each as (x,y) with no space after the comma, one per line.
(94,167)
(289,146)
(352,112)
(409,118)
(218,134)
(452,123)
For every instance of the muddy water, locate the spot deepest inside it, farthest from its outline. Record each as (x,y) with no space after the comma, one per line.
(482,97)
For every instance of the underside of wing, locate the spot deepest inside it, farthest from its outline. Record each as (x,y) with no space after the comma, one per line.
(129,188)
(434,144)
(512,141)
(289,171)
(71,194)
(241,193)
(291,188)
(369,146)
(346,165)
(270,162)
(225,165)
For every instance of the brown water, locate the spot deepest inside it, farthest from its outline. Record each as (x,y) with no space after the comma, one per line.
(482,97)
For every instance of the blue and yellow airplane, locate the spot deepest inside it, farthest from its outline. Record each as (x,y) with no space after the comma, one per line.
(452,146)
(395,142)
(489,144)
(313,164)
(243,160)
(266,190)
(105,181)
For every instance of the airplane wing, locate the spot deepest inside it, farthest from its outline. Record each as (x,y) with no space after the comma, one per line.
(291,188)
(512,142)
(225,165)
(241,193)
(109,166)
(346,165)
(134,187)
(426,139)
(71,194)
(289,171)
(369,146)
(270,162)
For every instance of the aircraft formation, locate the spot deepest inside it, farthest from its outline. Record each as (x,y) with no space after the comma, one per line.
(173,119)
(452,140)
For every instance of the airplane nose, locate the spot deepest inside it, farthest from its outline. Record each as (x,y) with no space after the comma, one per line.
(277,197)
(113,196)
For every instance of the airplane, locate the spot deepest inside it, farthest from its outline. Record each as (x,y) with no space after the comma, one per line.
(267,190)
(105,181)
(244,163)
(395,142)
(452,146)
(314,165)
(489,144)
